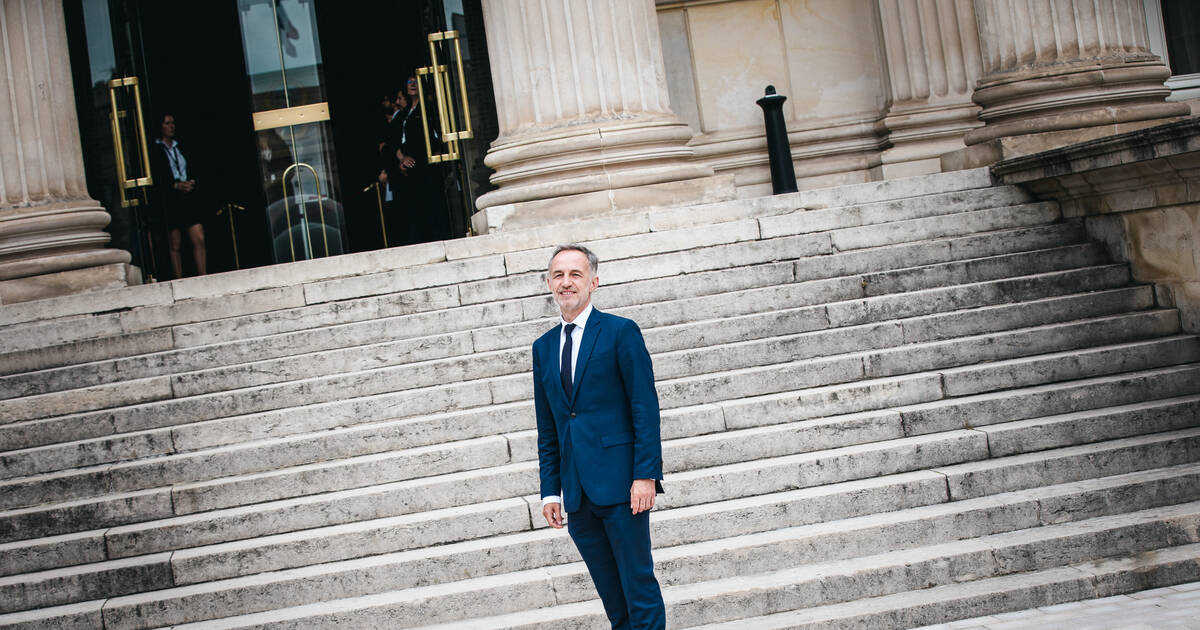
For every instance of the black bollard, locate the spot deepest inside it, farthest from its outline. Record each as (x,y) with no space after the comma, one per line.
(783,174)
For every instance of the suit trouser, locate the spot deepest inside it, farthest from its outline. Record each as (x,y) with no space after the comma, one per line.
(615,544)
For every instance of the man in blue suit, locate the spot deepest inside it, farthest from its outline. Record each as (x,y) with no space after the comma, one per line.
(599,450)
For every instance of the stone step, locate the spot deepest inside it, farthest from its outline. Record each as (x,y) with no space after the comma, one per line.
(991,596)
(422,356)
(812,514)
(1100,543)
(820,468)
(640,300)
(1178,376)
(96,480)
(28,350)
(494,330)
(93,424)
(172,304)
(810,408)
(788,224)
(891,198)
(709,582)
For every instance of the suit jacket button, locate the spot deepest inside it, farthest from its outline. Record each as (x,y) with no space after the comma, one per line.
(572,414)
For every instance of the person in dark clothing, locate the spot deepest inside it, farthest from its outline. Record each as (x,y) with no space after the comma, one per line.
(176,197)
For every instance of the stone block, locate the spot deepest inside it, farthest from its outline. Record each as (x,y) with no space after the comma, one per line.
(634,246)
(1016,343)
(84,399)
(362,471)
(33,340)
(85,304)
(1081,427)
(1072,364)
(353,540)
(831,400)
(74,584)
(418,277)
(328,362)
(943,226)
(1049,399)
(81,616)
(323,510)
(1026,313)
(309,418)
(29,556)
(74,516)
(308,271)
(205,309)
(318,316)
(1072,464)
(65,455)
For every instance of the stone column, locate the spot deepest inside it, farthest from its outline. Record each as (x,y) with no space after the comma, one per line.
(1066,71)
(586,127)
(52,240)
(933,63)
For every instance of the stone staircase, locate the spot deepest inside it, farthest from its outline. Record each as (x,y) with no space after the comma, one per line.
(884,405)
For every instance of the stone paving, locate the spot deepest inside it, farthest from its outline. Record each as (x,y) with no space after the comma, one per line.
(1171,608)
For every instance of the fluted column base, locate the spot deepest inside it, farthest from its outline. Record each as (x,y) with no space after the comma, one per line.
(1073,97)
(920,134)
(57,248)
(568,173)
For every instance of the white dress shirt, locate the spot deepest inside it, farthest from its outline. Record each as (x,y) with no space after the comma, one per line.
(576,337)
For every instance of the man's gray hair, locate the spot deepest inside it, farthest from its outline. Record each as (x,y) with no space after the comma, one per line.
(593,260)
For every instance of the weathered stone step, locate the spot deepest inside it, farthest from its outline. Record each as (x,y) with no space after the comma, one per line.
(811,409)
(724,598)
(991,596)
(150,505)
(71,484)
(256,362)
(716,581)
(892,197)
(829,467)
(1178,376)
(92,424)
(441,359)
(465,292)
(821,538)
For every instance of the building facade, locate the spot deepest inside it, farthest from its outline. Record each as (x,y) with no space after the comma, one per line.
(538,111)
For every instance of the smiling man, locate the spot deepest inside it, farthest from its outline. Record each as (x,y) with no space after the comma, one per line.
(599,450)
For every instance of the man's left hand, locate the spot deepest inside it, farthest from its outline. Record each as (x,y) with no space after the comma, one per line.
(641,495)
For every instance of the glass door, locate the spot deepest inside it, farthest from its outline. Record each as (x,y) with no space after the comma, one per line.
(455,90)
(113,112)
(292,128)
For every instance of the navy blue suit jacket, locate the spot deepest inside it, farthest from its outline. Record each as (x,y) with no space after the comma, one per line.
(607,433)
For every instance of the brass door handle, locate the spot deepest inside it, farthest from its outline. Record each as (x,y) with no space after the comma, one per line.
(126,182)
(321,205)
(442,88)
(450,133)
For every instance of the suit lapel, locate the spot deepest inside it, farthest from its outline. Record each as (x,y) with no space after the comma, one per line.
(590,332)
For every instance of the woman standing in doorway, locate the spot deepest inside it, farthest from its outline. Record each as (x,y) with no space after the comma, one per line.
(176,198)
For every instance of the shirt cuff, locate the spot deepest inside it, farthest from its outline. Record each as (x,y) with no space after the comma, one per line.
(553,498)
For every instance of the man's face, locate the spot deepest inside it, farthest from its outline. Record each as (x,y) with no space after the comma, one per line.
(571,282)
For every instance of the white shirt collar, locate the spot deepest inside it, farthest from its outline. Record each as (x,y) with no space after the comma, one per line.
(580,319)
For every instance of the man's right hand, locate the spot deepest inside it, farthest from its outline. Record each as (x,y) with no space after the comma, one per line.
(554,515)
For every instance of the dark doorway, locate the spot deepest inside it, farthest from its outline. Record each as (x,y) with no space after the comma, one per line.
(196,70)
(189,59)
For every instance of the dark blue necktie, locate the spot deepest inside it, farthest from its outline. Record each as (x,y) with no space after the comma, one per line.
(564,366)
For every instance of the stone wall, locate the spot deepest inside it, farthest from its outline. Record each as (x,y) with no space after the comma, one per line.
(1139,192)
